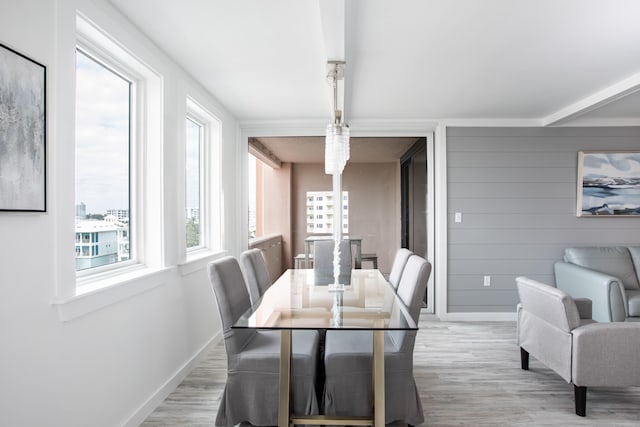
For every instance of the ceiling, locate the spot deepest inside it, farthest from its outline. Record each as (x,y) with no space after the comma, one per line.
(543,62)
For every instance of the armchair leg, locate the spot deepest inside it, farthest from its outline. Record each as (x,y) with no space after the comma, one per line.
(581,400)
(524,359)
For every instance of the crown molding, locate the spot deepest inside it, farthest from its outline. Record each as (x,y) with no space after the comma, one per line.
(594,101)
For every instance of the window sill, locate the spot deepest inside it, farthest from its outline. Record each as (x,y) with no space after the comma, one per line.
(102,293)
(198,260)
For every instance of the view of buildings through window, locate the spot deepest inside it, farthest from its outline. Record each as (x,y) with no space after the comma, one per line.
(193,150)
(320,216)
(102,188)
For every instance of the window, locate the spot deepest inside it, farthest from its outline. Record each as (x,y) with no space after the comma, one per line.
(202,191)
(118,135)
(253,215)
(193,176)
(103,159)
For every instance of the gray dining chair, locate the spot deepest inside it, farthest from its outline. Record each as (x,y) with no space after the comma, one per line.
(348,360)
(399,261)
(323,260)
(253,358)
(255,273)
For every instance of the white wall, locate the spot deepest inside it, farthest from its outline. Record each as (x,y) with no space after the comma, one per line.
(108,367)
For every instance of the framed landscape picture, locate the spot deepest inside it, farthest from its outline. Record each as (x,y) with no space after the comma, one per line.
(608,183)
(22,133)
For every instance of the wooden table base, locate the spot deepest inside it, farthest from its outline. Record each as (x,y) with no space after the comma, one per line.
(285,416)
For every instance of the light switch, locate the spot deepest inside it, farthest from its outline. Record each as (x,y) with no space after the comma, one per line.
(458,217)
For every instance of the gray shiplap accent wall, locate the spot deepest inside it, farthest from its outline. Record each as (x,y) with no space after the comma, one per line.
(516,190)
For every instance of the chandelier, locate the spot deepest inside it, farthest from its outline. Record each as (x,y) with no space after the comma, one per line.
(337,148)
(336,154)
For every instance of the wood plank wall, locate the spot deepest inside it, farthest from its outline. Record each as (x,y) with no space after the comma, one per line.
(516,190)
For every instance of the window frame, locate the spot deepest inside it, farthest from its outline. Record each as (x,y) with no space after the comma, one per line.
(102,56)
(145,161)
(210,181)
(202,241)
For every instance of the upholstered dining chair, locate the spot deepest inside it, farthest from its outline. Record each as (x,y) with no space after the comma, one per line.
(323,259)
(348,360)
(255,273)
(253,357)
(399,261)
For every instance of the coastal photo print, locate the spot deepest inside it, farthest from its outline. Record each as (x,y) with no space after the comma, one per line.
(608,183)
(22,133)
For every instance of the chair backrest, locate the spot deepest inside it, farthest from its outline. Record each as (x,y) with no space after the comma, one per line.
(232,299)
(614,260)
(546,318)
(411,289)
(400,260)
(549,304)
(323,257)
(255,273)
(413,284)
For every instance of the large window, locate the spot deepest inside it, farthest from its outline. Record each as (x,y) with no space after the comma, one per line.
(201,180)
(103,164)
(193,176)
(253,202)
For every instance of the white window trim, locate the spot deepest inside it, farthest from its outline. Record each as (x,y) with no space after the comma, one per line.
(100,287)
(210,190)
(101,56)
(202,156)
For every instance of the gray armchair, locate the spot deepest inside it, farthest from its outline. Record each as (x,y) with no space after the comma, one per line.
(606,275)
(253,358)
(558,331)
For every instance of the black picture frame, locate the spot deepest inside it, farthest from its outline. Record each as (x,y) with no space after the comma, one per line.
(23,132)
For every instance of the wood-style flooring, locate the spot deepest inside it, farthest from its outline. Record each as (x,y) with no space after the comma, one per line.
(468,374)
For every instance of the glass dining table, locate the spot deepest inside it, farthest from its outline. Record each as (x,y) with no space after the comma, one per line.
(300,299)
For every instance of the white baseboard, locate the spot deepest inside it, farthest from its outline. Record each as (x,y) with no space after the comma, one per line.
(170,385)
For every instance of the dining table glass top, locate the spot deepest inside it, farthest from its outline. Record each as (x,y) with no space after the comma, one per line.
(300,299)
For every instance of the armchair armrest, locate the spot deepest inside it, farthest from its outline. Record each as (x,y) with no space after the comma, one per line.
(584,306)
(606,354)
(605,291)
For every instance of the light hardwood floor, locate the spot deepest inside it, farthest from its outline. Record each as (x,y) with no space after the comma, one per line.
(468,373)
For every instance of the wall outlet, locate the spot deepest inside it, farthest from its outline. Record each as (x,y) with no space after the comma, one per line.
(487,281)
(457,217)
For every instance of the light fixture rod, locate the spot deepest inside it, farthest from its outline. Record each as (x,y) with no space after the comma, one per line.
(335,72)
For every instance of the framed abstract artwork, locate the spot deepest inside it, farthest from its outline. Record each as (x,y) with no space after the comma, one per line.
(22,133)
(608,183)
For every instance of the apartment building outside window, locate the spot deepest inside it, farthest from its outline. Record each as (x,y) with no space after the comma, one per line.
(103,163)
(323,222)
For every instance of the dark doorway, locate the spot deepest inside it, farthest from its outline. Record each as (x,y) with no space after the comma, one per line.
(414,189)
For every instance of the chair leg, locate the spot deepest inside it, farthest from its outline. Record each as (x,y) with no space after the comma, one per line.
(524,359)
(581,400)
